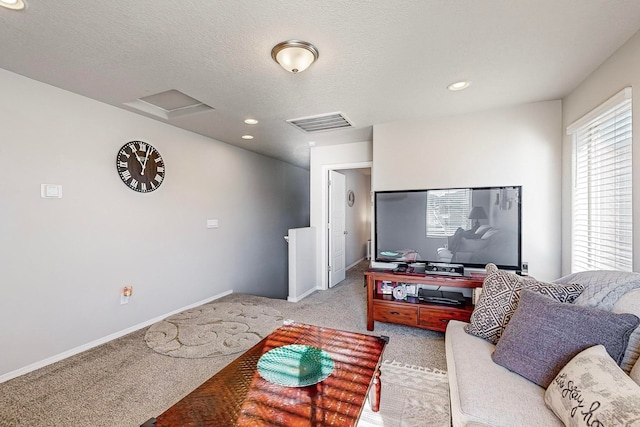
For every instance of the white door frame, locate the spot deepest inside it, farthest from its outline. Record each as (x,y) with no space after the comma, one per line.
(324,244)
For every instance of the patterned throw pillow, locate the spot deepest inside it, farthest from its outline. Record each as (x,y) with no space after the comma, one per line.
(591,390)
(500,296)
(635,372)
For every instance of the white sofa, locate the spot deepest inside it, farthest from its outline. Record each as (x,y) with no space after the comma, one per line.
(484,393)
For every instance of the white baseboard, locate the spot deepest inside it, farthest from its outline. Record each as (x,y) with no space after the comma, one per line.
(300,297)
(354,264)
(100,341)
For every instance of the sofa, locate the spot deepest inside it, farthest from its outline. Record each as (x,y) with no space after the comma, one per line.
(484,392)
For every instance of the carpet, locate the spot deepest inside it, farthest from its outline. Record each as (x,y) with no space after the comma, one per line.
(411,396)
(213,329)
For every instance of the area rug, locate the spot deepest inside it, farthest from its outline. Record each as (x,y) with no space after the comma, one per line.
(411,396)
(213,329)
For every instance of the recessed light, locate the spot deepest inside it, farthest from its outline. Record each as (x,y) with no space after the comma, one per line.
(251,121)
(459,85)
(247,136)
(13,4)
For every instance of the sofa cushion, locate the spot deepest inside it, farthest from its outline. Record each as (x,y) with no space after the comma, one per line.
(486,394)
(630,303)
(499,299)
(591,390)
(544,335)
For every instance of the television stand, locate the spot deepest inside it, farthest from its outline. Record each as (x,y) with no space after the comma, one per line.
(412,311)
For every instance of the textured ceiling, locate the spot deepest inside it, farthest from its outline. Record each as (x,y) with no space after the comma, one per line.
(380,61)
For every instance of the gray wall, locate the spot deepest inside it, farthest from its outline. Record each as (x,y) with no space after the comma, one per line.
(358,216)
(63,262)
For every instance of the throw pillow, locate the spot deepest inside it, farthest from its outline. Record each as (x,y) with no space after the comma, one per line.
(500,296)
(591,390)
(630,303)
(544,335)
(635,372)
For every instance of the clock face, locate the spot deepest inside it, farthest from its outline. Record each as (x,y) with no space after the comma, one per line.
(140,166)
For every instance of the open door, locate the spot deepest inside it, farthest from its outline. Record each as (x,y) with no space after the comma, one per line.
(336,229)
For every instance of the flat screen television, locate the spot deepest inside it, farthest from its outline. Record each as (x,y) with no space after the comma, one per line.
(468,226)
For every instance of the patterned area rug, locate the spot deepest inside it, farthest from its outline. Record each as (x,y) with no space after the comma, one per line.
(213,329)
(411,396)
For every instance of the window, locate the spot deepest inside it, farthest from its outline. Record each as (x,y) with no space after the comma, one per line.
(447,210)
(602,210)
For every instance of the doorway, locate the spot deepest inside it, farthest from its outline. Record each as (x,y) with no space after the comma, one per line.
(345,240)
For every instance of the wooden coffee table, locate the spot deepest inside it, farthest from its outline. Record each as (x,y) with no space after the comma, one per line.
(239,396)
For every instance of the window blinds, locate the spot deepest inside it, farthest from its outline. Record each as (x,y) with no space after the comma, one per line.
(447,210)
(602,209)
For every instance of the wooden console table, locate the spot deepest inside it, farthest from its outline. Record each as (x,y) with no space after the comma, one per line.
(412,311)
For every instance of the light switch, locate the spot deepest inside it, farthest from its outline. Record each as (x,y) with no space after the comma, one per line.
(51,191)
(212,223)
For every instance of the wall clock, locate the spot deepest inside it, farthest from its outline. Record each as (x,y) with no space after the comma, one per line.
(351,198)
(140,166)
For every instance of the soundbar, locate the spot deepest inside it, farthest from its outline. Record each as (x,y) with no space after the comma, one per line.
(444,268)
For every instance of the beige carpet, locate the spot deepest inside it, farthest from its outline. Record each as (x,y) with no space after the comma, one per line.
(213,329)
(412,396)
(124,383)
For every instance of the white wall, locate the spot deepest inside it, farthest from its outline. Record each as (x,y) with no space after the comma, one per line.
(323,159)
(358,216)
(622,69)
(519,145)
(63,262)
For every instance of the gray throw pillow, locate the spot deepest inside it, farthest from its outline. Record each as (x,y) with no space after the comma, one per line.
(544,335)
(499,299)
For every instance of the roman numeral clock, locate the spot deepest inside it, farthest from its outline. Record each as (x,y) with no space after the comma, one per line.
(140,166)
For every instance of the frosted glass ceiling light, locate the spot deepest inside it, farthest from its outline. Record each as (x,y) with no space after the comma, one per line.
(13,4)
(459,85)
(294,55)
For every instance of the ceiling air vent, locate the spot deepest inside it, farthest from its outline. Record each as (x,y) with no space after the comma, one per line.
(322,122)
(169,104)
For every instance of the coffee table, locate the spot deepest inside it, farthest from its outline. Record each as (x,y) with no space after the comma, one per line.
(239,396)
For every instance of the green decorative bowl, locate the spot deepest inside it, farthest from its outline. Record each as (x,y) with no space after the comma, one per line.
(295,365)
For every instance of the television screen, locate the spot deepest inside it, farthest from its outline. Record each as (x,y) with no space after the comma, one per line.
(468,226)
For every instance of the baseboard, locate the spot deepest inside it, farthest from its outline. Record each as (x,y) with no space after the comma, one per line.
(100,341)
(355,263)
(300,297)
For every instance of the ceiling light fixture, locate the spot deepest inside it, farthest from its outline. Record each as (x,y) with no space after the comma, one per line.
(247,136)
(13,4)
(459,85)
(251,121)
(294,55)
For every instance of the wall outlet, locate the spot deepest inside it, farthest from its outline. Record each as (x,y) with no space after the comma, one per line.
(127,291)
(525,268)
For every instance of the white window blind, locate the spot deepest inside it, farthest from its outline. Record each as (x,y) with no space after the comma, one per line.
(602,209)
(447,210)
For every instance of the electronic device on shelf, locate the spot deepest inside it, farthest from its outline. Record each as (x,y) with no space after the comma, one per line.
(441,297)
(444,268)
